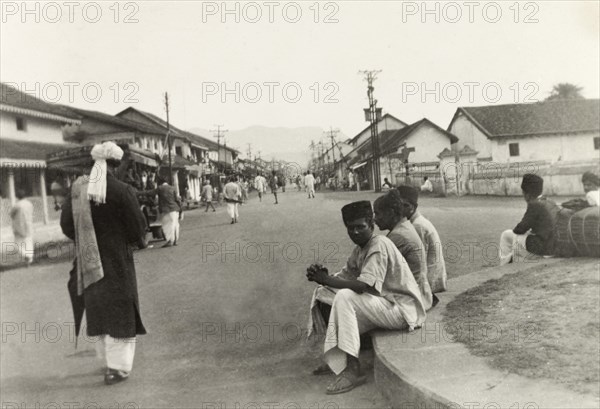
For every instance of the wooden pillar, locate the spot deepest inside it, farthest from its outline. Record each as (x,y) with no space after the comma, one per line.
(44,196)
(176,182)
(11,186)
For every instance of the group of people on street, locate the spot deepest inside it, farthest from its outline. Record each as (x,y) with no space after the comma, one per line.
(389,281)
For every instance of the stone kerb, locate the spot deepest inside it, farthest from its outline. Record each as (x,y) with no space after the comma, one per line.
(425,369)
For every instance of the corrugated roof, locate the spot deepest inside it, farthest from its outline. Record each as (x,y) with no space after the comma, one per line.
(542,118)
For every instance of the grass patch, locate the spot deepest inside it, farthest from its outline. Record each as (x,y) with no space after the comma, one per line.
(541,323)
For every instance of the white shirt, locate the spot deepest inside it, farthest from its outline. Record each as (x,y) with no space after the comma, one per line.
(593,197)
(260,183)
(309,180)
(232,191)
(427,186)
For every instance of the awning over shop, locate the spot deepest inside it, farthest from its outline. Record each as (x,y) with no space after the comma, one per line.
(195,170)
(358,165)
(143,159)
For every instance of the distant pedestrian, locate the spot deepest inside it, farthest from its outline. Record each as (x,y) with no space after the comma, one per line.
(170,209)
(260,184)
(386,184)
(232,195)
(309,181)
(426,186)
(207,195)
(245,191)
(275,186)
(21,215)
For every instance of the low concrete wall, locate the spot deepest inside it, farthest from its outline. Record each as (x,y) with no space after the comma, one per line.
(560,178)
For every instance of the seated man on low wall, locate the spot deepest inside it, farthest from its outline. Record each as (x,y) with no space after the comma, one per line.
(534,235)
(389,215)
(374,290)
(436,265)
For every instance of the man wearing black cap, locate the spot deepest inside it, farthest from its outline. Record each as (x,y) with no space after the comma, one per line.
(375,289)
(436,266)
(534,235)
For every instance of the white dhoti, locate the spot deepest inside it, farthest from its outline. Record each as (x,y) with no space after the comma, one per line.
(170,226)
(116,353)
(353,314)
(316,322)
(232,210)
(513,247)
(26,248)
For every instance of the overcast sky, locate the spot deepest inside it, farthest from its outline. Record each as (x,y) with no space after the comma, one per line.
(185,48)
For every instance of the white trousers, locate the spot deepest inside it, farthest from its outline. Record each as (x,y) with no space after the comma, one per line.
(513,247)
(116,353)
(353,314)
(26,247)
(170,226)
(232,210)
(311,191)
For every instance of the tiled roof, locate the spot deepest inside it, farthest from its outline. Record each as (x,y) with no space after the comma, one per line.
(22,102)
(542,118)
(115,120)
(14,149)
(189,136)
(355,138)
(391,140)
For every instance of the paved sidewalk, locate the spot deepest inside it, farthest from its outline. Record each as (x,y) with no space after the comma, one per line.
(427,369)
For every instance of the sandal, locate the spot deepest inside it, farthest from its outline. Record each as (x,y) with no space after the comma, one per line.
(322,369)
(345,383)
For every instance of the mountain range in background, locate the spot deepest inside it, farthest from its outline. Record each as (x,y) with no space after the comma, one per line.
(288,144)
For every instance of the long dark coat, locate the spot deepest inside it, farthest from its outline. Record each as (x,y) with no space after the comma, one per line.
(111,304)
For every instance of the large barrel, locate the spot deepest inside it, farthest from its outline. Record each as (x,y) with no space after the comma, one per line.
(584,229)
(563,245)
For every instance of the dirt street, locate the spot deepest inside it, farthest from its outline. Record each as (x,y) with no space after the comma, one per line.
(226,310)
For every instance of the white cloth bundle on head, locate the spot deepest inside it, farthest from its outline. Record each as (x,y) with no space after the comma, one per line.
(97,185)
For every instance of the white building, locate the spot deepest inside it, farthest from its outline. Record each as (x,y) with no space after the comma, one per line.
(29,130)
(559,130)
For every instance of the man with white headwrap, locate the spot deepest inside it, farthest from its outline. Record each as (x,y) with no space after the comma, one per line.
(103,217)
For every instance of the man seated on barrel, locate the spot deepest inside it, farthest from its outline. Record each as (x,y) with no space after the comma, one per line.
(534,235)
(375,289)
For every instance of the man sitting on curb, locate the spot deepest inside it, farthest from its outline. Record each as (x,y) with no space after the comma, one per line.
(374,290)
(534,235)
(389,215)
(436,266)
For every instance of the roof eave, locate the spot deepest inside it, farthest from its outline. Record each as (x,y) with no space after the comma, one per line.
(39,114)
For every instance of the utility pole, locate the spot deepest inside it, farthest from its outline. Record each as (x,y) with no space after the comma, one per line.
(169,143)
(219,135)
(373,115)
(332,133)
